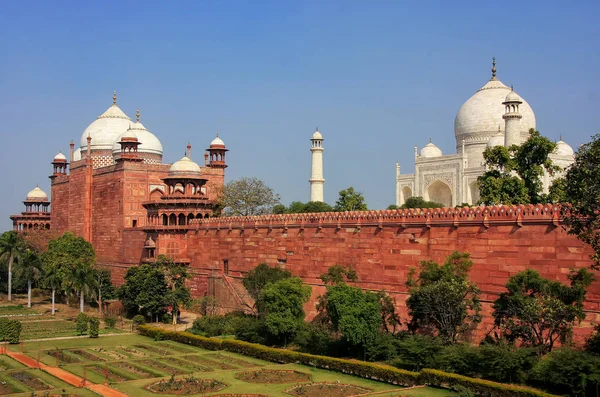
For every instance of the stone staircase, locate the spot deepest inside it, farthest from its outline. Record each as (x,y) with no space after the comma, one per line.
(241,295)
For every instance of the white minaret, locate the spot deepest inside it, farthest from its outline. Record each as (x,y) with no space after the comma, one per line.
(512,118)
(316,174)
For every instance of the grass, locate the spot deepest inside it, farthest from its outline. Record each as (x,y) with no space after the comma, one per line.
(12,310)
(134,368)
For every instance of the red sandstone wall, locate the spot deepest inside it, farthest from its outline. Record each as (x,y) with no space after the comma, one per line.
(59,210)
(382,248)
(76,199)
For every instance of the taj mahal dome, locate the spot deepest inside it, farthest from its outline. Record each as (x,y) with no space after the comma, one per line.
(495,115)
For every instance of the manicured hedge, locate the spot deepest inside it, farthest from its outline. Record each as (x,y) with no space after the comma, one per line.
(479,387)
(10,330)
(181,337)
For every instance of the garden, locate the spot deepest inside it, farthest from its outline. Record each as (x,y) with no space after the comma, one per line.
(140,366)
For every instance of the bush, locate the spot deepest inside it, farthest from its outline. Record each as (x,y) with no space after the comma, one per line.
(167,318)
(592,345)
(94,327)
(215,325)
(478,387)
(459,359)
(568,371)
(110,322)
(10,330)
(383,348)
(417,351)
(138,320)
(181,337)
(82,323)
(313,338)
(250,329)
(506,363)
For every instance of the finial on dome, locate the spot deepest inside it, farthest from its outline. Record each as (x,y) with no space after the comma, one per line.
(115,98)
(560,137)
(429,139)
(217,134)
(137,115)
(493,68)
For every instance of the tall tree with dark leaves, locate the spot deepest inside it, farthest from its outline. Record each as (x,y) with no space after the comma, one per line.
(247,197)
(12,248)
(350,200)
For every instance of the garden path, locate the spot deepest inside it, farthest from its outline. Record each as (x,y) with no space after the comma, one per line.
(65,376)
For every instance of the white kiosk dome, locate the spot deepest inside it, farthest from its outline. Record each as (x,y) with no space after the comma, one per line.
(217,142)
(430,150)
(563,148)
(60,157)
(184,166)
(106,128)
(149,143)
(36,194)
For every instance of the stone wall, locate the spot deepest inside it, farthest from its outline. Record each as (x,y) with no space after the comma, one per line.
(382,246)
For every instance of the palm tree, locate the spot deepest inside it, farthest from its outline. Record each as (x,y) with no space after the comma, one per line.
(11,250)
(82,280)
(52,279)
(30,268)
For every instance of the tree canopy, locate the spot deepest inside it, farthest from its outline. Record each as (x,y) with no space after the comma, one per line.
(248,196)
(420,202)
(514,175)
(350,200)
(581,187)
(537,311)
(12,248)
(442,298)
(262,275)
(297,207)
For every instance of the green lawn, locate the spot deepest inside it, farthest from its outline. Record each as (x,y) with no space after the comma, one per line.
(134,362)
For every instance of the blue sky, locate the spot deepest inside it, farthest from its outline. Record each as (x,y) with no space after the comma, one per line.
(376,77)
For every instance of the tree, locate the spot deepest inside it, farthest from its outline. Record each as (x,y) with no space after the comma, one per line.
(248,196)
(582,192)
(82,280)
(537,311)
(419,202)
(389,317)
(442,298)
(350,200)
(29,268)
(104,288)
(353,312)
(338,274)
(52,279)
(144,291)
(281,305)
(262,275)
(178,294)
(11,249)
(67,252)
(514,174)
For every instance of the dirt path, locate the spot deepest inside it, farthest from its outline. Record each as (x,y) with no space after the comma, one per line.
(65,376)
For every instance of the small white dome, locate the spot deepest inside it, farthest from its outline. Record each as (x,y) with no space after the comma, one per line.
(496,140)
(430,150)
(149,143)
(317,135)
(60,157)
(106,128)
(217,142)
(184,166)
(37,194)
(513,97)
(563,149)
(77,155)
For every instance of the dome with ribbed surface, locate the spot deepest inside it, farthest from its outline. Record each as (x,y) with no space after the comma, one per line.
(184,166)
(563,149)
(37,194)
(513,97)
(430,150)
(149,143)
(77,154)
(317,135)
(106,129)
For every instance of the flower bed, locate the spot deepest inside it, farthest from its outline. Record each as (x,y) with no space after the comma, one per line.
(185,364)
(86,355)
(48,329)
(133,352)
(230,360)
(30,381)
(113,375)
(134,369)
(154,350)
(64,357)
(273,376)
(326,389)
(110,353)
(186,386)
(200,359)
(163,367)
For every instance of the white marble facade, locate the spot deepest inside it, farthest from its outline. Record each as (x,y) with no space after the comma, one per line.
(480,122)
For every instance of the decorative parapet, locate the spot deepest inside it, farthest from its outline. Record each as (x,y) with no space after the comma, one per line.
(411,217)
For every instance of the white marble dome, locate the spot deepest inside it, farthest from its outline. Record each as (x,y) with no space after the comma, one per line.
(106,129)
(563,149)
(513,97)
(430,150)
(60,157)
(496,140)
(184,166)
(149,143)
(317,135)
(37,194)
(77,154)
(479,117)
(217,142)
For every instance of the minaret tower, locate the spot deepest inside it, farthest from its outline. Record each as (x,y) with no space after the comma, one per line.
(512,118)
(316,175)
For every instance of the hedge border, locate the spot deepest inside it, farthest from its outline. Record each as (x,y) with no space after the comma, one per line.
(379,372)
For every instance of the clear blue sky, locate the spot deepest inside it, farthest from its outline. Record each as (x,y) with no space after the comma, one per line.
(377,78)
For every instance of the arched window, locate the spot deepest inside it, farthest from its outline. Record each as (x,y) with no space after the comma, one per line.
(172,220)
(206,215)
(190,217)
(440,192)
(165,219)
(173,250)
(181,219)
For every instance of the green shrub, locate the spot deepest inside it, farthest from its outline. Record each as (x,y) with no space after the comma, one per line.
(250,329)
(382,348)
(215,325)
(94,327)
(417,351)
(592,344)
(181,337)
(110,322)
(313,338)
(82,323)
(478,387)
(167,318)
(459,359)
(568,371)
(138,320)
(10,330)
(506,363)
